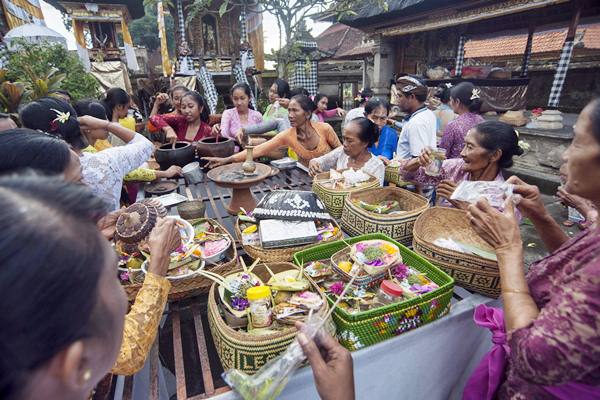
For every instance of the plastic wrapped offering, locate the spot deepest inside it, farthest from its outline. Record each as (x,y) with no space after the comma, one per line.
(494,192)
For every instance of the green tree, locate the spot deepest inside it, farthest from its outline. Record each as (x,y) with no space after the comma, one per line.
(144,31)
(42,60)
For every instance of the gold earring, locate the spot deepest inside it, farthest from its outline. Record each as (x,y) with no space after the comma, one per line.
(87,375)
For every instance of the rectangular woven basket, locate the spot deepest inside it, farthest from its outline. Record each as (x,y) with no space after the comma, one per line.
(362,329)
(358,221)
(246,352)
(470,271)
(334,198)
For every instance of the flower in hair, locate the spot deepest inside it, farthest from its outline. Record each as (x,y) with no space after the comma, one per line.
(448,85)
(524,145)
(517,133)
(475,94)
(61,117)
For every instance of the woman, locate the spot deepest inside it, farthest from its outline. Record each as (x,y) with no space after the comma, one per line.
(103,172)
(280,89)
(363,97)
(384,147)
(489,148)
(242,115)
(189,126)
(550,313)
(66,334)
(322,112)
(359,135)
(443,113)
(307,139)
(94,109)
(465,102)
(175,95)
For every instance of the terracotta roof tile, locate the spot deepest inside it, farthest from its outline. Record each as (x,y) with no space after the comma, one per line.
(543,41)
(339,39)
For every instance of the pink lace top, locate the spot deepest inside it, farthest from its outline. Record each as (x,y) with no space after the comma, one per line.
(231,123)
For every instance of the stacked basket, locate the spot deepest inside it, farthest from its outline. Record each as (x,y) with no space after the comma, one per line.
(470,271)
(195,284)
(358,221)
(334,198)
(366,328)
(393,175)
(242,350)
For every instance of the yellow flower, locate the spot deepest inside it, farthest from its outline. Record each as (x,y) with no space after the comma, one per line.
(388,248)
(250,229)
(345,266)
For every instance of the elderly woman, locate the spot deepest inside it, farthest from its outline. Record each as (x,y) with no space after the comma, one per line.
(489,148)
(359,135)
(307,139)
(550,313)
(26,149)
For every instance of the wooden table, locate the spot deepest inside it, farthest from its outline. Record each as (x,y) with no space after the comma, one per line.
(185,345)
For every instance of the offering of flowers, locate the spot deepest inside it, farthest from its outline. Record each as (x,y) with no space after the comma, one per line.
(318,270)
(346,179)
(375,256)
(288,281)
(383,207)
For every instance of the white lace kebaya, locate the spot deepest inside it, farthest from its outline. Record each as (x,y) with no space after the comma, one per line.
(103,172)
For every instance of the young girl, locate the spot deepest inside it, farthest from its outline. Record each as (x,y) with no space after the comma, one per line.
(242,115)
(189,126)
(322,112)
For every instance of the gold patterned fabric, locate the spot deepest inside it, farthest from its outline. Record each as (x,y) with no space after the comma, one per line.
(137,175)
(141,325)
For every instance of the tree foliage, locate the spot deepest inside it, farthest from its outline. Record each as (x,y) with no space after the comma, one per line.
(45,66)
(144,31)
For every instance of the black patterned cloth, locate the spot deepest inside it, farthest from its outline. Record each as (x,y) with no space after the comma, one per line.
(291,205)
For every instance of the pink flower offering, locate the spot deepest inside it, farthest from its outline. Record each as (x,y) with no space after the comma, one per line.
(215,247)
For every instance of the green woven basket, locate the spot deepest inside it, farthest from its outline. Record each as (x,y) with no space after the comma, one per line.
(366,328)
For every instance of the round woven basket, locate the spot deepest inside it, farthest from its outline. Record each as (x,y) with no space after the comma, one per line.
(358,221)
(393,175)
(282,254)
(470,271)
(334,198)
(196,284)
(246,352)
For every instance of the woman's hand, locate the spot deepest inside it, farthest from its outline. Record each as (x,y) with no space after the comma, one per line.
(161,98)
(570,200)
(108,224)
(284,102)
(214,162)
(530,203)
(331,364)
(385,160)
(216,130)
(499,230)
(171,135)
(163,240)
(341,112)
(446,188)
(172,171)
(426,157)
(89,122)
(314,168)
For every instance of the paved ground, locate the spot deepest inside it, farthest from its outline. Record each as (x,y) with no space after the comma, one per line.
(533,247)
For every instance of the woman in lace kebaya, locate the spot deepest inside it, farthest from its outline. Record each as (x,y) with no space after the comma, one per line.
(547,339)
(26,149)
(359,135)
(241,116)
(103,172)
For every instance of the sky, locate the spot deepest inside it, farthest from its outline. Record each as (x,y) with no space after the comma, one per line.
(270,30)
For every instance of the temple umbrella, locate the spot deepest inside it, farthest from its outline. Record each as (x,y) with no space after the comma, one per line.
(33,33)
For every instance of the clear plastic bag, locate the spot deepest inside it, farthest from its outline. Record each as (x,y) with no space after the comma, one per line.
(270,380)
(494,192)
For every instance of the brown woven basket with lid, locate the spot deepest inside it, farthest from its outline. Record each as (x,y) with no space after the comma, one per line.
(470,271)
(197,284)
(358,221)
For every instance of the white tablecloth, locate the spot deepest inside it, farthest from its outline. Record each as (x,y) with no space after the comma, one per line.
(431,362)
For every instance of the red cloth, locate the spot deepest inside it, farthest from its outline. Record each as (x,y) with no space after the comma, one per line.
(180,125)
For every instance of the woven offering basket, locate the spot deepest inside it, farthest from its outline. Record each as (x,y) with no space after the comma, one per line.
(334,198)
(470,271)
(358,221)
(196,284)
(393,175)
(246,352)
(365,328)
(281,254)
